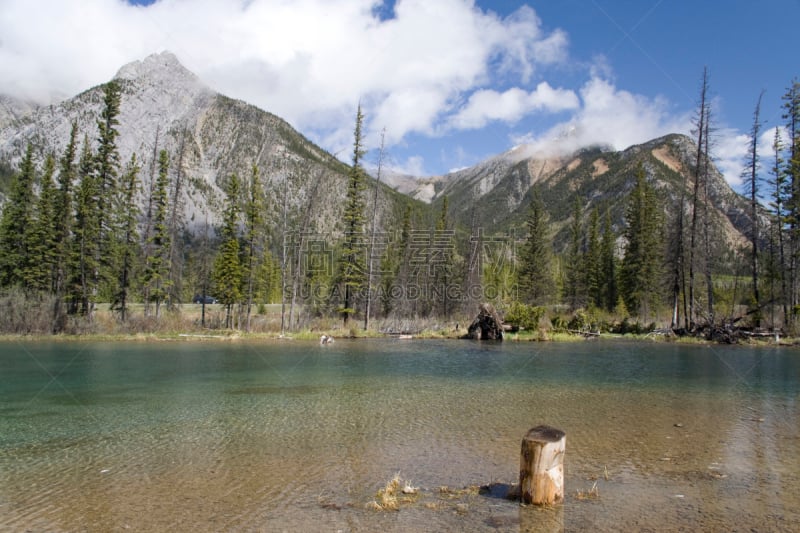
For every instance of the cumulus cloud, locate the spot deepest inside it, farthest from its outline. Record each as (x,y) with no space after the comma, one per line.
(510,106)
(608,116)
(309,61)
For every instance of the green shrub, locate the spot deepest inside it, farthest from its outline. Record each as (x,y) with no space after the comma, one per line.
(525,316)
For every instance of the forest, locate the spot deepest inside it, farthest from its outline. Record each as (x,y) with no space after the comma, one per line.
(80,254)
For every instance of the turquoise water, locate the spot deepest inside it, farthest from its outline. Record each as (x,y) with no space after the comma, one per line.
(211,436)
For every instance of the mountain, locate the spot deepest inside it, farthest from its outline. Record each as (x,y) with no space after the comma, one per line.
(163,101)
(495,194)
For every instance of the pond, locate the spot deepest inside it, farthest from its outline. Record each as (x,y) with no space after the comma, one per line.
(272,436)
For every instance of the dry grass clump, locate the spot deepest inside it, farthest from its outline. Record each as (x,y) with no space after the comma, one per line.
(395,493)
(448,492)
(591,494)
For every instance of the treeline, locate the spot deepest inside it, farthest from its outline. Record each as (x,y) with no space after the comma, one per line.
(73,234)
(675,264)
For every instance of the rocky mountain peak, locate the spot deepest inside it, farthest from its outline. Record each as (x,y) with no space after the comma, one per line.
(164,65)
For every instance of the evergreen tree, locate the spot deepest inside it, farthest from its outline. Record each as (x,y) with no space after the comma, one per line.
(157,266)
(575,282)
(176,226)
(608,264)
(352,268)
(779,194)
(227,274)
(17,219)
(40,236)
(128,214)
(593,262)
(395,269)
(107,170)
(253,240)
(442,255)
(535,273)
(85,246)
(640,273)
(791,106)
(62,222)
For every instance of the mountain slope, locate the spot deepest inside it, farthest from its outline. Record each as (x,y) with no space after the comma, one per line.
(495,194)
(161,100)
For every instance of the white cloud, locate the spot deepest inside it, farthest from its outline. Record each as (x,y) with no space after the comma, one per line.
(309,61)
(729,151)
(510,106)
(611,117)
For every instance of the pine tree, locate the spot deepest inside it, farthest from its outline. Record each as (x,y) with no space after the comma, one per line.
(442,254)
(17,219)
(227,267)
(395,268)
(593,262)
(176,226)
(62,222)
(609,265)
(640,273)
(82,288)
(352,268)
(253,240)
(791,106)
(40,236)
(535,273)
(128,219)
(575,282)
(157,266)
(107,170)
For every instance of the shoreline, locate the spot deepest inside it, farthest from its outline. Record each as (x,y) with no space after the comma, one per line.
(313,336)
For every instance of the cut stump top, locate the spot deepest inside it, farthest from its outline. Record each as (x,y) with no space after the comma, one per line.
(545,434)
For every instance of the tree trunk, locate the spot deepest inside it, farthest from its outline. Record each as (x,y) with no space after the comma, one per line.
(541,466)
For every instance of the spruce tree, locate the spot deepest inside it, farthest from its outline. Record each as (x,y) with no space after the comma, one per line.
(352,260)
(443,254)
(575,282)
(157,266)
(227,274)
(608,264)
(535,274)
(63,222)
(40,236)
(640,274)
(16,221)
(253,240)
(593,264)
(791,106)
(107,170)
(128,219)
(86,233)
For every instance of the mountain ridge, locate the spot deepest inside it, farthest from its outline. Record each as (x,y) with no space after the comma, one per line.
(162,99)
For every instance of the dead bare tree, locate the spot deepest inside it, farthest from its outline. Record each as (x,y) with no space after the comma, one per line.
(751,172)
(702,115)
(371,247)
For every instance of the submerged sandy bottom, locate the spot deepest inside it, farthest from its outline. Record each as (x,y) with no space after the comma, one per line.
(273,447)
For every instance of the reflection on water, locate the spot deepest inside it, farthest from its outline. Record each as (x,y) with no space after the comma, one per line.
(294,436)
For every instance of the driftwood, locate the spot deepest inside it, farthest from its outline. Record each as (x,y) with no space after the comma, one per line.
(487,325)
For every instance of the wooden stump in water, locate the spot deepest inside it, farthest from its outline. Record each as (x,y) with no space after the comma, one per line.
(541,466)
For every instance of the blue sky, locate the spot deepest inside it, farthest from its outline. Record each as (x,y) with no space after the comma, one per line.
(451,81)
